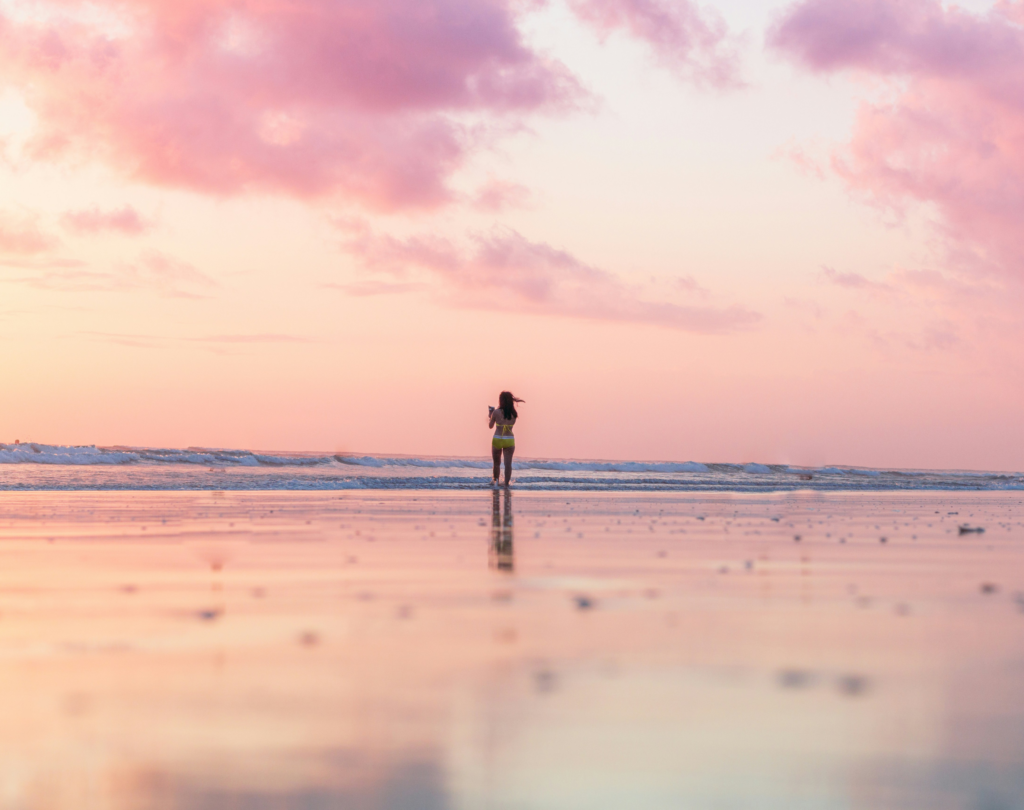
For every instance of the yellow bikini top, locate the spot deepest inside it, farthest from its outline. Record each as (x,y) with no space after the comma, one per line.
(505,429)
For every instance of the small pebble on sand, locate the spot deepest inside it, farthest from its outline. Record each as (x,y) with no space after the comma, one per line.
(795,678)
(853,685)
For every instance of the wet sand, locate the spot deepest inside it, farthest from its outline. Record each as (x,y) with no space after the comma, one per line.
(539,650)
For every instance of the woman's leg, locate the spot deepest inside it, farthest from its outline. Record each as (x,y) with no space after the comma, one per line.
(496,455)
(508,451)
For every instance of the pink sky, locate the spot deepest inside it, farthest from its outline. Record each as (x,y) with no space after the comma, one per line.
(747,231)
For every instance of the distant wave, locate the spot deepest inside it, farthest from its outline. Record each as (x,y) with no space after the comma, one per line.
(48,454)
(529,464)
(379,462)
(33,453)
(849,471)
(43,466)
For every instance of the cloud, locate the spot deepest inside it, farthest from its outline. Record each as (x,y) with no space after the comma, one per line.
(376,101)
(502,270)
(153,271)
(131,341)
(365,99)
(21,235)
(165,275)
(693,42)
(855,281)
(214,343)
(947,132)
(498,195)
(689,284)
(977,315)
(263,337)
(125,220)
(371,287)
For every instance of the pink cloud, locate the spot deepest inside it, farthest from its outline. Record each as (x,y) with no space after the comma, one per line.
(153,271)
(855,281)
(498,195)
(166,275)
(20,234)
(307,97)
(264,337)
(977,315)
(125,220)
(41,263)
(684,37)
(371,287)
(950,132)
(213,342)
(505,271)
(896,36)
(689,284)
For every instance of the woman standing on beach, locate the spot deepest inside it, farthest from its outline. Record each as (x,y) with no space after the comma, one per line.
(502,419)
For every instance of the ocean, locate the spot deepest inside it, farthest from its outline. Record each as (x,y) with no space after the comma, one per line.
(34,466)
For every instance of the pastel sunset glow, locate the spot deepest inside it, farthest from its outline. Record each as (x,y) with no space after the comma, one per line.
(747,231)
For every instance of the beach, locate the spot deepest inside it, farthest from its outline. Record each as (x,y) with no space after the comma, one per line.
(478,649)
(733,293)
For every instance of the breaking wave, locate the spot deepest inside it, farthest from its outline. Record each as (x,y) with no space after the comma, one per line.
(529,464)
(33,453)
(44,466)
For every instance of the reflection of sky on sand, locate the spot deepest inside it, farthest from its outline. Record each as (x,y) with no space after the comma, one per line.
(410,784)
(658,738)
(276,650)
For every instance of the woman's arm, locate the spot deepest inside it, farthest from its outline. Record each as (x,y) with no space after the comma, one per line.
(494,415)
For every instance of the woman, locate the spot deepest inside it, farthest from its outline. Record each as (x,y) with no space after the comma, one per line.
(502,419)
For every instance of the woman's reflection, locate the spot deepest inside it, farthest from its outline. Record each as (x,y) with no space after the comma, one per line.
(501,554)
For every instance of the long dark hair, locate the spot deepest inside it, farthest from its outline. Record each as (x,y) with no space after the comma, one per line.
(507,403)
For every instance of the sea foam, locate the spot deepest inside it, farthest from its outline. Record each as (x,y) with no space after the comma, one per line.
(35,465)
